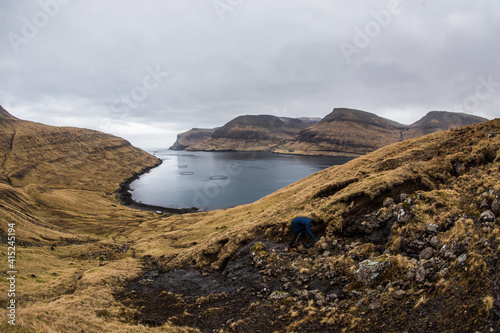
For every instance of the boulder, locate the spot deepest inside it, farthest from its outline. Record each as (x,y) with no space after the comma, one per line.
(487,216)
(427,253)
(370,270)
(495,206)
(277,295)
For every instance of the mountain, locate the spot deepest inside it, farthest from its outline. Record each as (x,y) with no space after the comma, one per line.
(250,132)
(436,121)
(344,132)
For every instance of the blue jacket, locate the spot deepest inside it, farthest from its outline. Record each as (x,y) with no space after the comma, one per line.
(302,224)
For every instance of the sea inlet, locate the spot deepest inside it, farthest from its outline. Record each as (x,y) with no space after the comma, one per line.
(218,180)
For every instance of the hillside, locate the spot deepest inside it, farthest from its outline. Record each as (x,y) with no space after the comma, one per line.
(410,242)
(250,132)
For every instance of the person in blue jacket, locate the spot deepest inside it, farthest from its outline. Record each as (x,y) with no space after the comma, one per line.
(302,225)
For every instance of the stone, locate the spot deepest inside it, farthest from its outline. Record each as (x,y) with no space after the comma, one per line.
(435,242)
(277,295)
(487,216)
(432,228)
(398,294)
(370,270)
(388,202)
(495,206)
(403,197)
(304,294)
(427,253)
(375,305)
(484,204)
(319,296)
(421,274)
(462,259)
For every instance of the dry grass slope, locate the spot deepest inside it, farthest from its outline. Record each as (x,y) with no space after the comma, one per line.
(77,248)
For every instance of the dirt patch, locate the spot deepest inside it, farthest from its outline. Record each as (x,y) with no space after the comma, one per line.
(245,296)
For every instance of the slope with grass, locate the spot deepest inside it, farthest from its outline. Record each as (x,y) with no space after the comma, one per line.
(410,241)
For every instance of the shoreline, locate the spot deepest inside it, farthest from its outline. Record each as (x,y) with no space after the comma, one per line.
(277,152)
(125,197)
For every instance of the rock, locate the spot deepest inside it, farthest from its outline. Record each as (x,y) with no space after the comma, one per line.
(303,294)
(370,270)
(331,297)
(435,242)
(432,228)
(484,204)
(492,134)
(421,274)
(495,206)
(487,216)
(410,275)
(444,271)
(375,305)
(462,259)
(277,295)
(388,202)
(427,253)
(403,197)
(319,296)
(398,294)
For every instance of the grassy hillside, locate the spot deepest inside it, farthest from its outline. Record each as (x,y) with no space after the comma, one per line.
(87,263)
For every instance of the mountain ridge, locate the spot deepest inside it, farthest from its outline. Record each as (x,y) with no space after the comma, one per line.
(344,131)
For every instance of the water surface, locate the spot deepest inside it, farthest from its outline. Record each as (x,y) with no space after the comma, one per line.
(216,180)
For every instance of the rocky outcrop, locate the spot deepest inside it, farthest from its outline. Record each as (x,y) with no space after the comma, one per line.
(193,137)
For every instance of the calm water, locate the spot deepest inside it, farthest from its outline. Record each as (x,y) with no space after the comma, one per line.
(215,180)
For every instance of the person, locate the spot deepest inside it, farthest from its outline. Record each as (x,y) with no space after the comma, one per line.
(301,225)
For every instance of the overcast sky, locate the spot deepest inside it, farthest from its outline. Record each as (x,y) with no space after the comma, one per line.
(147,70)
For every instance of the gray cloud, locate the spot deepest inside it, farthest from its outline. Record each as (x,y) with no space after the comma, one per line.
(104,64)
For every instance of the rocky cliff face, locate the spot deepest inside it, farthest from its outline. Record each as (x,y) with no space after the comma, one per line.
(195,136)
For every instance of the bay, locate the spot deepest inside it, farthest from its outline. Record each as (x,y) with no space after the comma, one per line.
(218,180)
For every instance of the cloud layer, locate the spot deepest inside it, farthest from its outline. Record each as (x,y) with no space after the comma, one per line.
(148,70)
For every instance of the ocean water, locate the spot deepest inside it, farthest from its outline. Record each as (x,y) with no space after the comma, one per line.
(217,180)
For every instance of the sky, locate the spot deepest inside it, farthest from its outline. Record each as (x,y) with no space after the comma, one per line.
(148,70)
